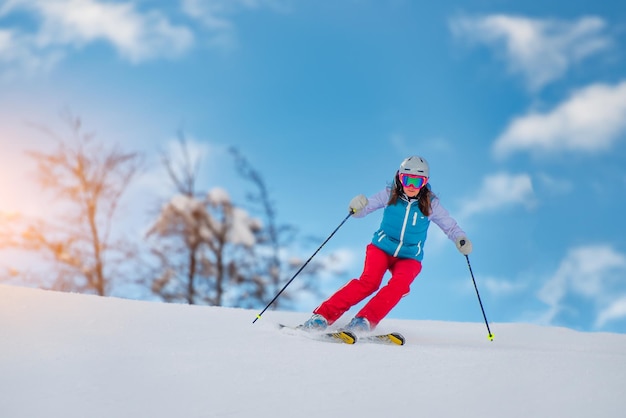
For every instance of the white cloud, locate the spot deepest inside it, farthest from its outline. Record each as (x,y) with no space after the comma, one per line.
(541,50)
(502,287)
(214,15)
(137,36)
(586,271)
(615,311)
(20,56)
(556,186)
(591,120)
(337,262)
(500,190)
(208,12)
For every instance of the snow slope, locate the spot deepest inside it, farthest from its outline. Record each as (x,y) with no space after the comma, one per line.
(67,355)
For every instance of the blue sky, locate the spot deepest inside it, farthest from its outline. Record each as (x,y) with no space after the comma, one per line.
(519,108)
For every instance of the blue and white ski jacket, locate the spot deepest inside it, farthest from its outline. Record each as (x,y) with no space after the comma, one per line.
(404,227)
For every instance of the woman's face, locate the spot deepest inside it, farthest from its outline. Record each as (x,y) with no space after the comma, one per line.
(411,184)
(411,191)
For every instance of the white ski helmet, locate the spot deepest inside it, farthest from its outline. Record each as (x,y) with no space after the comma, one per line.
(415,165)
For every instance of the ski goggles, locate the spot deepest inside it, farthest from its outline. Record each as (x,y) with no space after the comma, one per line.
(413,180)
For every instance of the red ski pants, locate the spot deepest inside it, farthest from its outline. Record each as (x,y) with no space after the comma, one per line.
(377,262)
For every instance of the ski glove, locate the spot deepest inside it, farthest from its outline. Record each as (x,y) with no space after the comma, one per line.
(357,203)
(464,245)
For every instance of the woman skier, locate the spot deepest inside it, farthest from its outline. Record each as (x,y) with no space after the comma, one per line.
(398,246)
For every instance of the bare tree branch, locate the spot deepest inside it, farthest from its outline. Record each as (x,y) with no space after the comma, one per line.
(88,180)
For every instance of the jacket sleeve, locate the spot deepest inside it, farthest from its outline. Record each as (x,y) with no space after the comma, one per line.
(442,218)
(374,202)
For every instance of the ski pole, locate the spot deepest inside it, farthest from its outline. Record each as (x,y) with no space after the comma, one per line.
(303,266)
(490,336)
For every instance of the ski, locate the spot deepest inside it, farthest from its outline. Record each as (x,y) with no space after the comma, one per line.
(339,336)
(348,337)
(392,338)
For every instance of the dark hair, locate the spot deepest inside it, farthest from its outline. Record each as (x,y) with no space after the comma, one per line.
(424,197)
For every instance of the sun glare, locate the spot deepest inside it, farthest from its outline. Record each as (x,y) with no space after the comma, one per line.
(19,192)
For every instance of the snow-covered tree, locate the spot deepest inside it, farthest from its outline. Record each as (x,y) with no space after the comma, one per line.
(203,241)
(203,244)
(212,251)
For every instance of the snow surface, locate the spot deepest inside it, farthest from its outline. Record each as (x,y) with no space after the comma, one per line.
(68,355)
